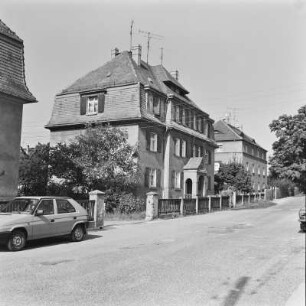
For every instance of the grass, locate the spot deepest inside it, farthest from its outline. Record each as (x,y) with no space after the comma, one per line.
(117,216)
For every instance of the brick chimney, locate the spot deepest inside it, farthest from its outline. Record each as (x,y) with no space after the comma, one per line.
(136,54)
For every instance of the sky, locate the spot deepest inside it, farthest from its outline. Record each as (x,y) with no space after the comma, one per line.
(244,59)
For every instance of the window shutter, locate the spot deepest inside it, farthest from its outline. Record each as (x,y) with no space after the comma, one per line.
(83,105)
(181,148)
(101,102)
(173,179)
(159,143)
(147,173)
(182,180)
(148,140)
(158,178)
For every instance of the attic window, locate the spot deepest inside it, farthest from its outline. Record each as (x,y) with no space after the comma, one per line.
(92,104)
(150,80)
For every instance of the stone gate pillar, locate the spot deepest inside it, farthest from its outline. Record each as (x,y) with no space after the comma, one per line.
(151,206)
(99,211)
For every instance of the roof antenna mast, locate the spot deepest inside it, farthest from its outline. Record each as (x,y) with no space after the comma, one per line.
(161,55)
(131,35)
(149,37)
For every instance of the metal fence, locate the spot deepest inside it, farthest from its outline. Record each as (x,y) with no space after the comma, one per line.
(168,206)
(189,206)
(215,203)
(89,205)
(225,202)
(203,205)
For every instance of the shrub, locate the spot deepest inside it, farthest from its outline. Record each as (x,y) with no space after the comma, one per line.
(130,204)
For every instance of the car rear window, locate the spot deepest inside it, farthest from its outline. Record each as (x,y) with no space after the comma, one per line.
(64,207)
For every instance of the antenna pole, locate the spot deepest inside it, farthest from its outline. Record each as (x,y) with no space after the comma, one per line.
(149,36)
(131,35)
(161,55)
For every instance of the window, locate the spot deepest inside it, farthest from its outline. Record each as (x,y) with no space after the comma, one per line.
(177,114)
(183,117)
(64,207)
(194,122)
(153,142)
(92,105)
(209,183)
(220,148)
(208,157)
(199,152)
(194,150)
(184,148)
(247,166)
(263,172)
(199,124)
(253,170)
(149,102)
(258,171)
(177,148)
(177,179)
(47,207)
(152,178)
(156,106)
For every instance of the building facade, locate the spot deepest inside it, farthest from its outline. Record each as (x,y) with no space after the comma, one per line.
(13,95)
(150,104)
(235,145)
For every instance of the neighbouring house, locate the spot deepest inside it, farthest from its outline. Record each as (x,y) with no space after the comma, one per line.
(235,145)
(174,136)
(13,94)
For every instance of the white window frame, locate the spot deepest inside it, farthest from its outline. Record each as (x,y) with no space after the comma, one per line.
(177,180)
(177,114)
(152,178)
(153,142)
(199,151)
(177,147)
(184,148)
(150,107)
(92,105)
(183,116)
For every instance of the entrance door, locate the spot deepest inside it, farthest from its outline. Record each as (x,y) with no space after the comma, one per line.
(201,186)
(188,187)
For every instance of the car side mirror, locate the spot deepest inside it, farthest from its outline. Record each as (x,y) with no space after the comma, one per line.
(39,212)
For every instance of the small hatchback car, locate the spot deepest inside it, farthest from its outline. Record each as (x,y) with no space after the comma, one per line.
(29,218)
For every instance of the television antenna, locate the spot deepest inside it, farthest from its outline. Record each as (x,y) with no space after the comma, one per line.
(131,34)
(149,36)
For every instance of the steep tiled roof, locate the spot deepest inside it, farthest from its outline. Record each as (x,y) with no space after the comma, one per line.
(5,30)
(227,132)
(12,78)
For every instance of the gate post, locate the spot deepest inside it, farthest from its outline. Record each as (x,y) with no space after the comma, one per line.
(182,206)
(234,199)
(209,203)
(197,204)
(151,206)
(220,202)
(99,209)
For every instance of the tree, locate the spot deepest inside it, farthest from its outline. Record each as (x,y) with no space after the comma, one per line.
(33,170)
(106,158)
(289,151)
(233,176)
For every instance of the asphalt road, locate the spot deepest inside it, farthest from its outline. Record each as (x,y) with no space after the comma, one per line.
(243,257)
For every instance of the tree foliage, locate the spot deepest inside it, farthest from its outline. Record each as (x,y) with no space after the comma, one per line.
(233,176)
(289,156)
(100,158)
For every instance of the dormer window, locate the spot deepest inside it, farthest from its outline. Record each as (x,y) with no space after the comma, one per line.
(92,105)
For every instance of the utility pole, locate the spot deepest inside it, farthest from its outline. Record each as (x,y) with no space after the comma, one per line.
(149,36)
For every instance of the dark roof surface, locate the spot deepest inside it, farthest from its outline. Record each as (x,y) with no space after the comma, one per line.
(194,163)
(5,30)
(227,132)
(12,78)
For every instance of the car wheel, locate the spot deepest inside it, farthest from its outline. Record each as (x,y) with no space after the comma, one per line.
(78,233)
(17,241)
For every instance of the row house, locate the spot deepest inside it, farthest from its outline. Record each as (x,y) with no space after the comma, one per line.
(235,145)
(175,137)
(14,93)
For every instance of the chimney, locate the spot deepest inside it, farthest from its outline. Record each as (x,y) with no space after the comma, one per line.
(136,54)
(175,74)
(115,52)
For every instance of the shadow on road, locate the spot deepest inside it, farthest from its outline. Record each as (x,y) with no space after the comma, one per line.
(234,295)
(49,242)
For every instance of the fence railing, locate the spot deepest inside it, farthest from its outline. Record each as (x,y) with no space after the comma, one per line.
(215,203)
(203,205)
(89,205)
(169,206)
(189,206)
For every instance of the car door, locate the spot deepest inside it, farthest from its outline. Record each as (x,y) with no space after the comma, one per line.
(44,225)
(66,216)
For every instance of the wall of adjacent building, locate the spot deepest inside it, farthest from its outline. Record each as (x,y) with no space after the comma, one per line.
(10,127)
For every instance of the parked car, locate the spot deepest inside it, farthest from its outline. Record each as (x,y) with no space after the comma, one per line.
(302,219)
(30,218)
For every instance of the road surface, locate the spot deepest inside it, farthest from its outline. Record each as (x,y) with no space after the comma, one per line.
(242,257)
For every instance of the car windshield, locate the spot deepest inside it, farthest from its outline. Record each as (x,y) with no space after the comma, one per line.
(26,205)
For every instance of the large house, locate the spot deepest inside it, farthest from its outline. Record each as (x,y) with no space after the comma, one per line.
(174,136)
(235,145)
(13,94)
